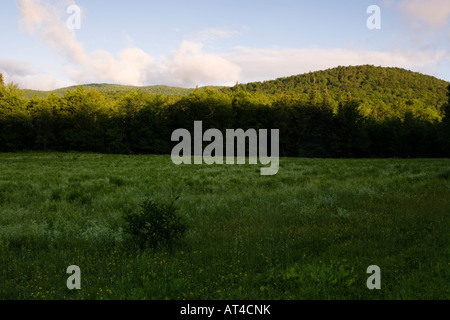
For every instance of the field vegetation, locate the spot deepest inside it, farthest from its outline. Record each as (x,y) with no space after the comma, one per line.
(310,232)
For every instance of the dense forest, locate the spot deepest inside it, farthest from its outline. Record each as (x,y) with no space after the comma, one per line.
(111,90)
(363,111)
(381,92)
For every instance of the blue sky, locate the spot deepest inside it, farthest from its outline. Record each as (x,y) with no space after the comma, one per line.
(215,42)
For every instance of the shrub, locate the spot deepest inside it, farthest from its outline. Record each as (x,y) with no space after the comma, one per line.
(155,224)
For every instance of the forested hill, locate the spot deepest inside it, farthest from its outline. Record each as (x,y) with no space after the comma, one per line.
(383,92)
(115,91)
(112,90)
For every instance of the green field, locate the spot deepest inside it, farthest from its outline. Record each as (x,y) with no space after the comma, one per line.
(310,232)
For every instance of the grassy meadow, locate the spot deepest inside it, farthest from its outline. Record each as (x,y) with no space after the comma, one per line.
(310,232)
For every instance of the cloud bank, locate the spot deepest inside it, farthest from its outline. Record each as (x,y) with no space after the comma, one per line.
(279,62)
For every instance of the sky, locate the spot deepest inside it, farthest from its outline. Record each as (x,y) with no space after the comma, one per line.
(47,44)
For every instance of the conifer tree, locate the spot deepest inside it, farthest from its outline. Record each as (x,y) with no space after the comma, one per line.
(445,127)
(326,99)
(448,94)
(314,94)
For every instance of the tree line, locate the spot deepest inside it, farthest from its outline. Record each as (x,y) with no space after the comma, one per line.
(141,123)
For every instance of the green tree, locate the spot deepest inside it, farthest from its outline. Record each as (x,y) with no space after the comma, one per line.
(326,102)
(148,131)
(83,116)
(16,129)
(352,139)
(314,94)
(444,132)
(2,81)
(448,94)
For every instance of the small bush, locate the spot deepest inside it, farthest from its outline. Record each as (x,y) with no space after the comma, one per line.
(155,224)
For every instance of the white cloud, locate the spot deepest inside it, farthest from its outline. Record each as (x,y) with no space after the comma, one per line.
(434,13)
(427,25)
(14,67)
(45,19)
(45,82)
(34,14)
(190,66)
(130,67)
(23,74)
(263,64)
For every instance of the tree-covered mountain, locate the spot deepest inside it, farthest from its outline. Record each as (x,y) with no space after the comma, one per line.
(382,92)
(113,90)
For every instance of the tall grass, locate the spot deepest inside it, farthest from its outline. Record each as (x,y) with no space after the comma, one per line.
(310,232)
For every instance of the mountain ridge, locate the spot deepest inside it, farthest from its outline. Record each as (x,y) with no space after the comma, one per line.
(107,87)
(379,90)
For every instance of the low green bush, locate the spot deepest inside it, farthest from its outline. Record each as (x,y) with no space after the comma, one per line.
(155,224)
